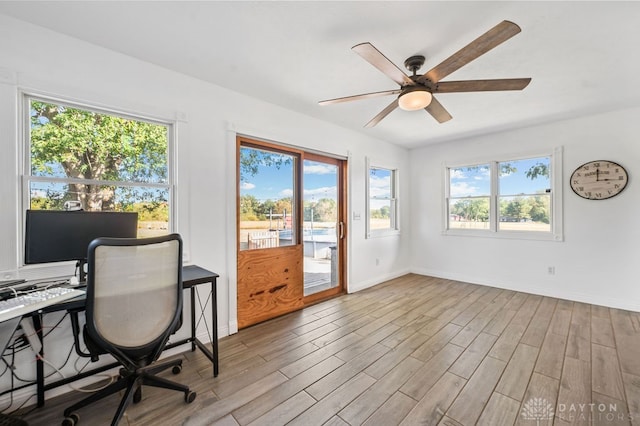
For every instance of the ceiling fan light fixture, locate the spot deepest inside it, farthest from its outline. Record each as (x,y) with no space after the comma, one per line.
(414,99)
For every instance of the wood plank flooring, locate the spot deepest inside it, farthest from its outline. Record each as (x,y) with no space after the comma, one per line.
(414,350)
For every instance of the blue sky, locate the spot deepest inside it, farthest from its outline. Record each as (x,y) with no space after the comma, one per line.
(273,183)
(320,181)
(477,182)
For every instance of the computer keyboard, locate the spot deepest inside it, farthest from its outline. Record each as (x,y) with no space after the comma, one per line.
(35,300)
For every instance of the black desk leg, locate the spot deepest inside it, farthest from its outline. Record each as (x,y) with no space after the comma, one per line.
(37,324)
(214,322)
(193,318)
(213,353)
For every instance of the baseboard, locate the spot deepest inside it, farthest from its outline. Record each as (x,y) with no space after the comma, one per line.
(377,280)
(223,331)
(610,302)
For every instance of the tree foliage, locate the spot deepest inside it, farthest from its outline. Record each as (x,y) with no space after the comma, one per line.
(324,210)
(383,212)
(251,159)
(89,145)
(517,209)
(474,209)
(538,169)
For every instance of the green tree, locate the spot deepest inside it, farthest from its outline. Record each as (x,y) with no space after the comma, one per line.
(284,205)
(88,145)
(326,210)
(265,208)
(518,208)
(252,158)
(538,169)
(249,207)
(539,210)
(476,209)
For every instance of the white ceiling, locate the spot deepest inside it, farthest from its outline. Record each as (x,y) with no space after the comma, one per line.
(582,56)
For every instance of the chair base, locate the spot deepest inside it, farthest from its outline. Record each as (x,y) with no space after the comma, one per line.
(132,382)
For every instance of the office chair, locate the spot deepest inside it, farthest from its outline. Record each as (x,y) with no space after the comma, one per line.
(134,303)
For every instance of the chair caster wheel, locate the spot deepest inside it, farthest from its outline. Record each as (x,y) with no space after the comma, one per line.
(189,397)
(137,396)
(176,369)
(71,420)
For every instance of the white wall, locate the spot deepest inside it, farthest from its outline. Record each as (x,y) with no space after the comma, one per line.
(598,260)
(38,60)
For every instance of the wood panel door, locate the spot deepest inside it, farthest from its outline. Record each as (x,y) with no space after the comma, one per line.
(291,230)
(270,268)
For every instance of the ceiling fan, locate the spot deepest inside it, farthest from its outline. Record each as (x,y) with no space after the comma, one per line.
(416,91)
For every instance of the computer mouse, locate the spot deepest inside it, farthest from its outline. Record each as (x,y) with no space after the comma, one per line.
(74,280)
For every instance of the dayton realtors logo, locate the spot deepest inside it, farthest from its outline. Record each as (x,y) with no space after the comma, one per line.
(539,409)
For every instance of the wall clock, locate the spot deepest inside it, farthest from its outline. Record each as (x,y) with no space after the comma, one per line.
(599,180)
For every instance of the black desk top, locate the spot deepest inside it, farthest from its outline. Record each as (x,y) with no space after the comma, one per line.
(192,275)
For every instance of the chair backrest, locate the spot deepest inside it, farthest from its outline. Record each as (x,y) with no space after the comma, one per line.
(134,295)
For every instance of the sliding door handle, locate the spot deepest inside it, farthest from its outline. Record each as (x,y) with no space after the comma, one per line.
(341,228)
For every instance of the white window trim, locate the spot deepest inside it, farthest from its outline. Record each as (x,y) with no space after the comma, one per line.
(376,233)
(556,233)
(25,161)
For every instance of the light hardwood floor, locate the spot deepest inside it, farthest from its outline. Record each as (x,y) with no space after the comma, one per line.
(414,350)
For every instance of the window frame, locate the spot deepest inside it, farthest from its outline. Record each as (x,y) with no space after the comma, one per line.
(494,231)
(24,152)
(394,213)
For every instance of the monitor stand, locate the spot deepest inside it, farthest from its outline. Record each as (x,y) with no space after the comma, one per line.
(82,274)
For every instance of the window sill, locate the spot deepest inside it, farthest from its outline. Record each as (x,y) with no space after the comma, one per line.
(508,235)
(383,233)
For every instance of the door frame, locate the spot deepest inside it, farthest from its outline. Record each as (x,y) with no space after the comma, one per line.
(342,222)
(302,153)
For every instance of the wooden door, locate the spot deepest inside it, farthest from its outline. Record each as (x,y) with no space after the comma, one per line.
(270,274)
(291,248)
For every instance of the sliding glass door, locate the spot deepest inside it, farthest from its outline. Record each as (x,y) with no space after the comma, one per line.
(323,227)
(290,229)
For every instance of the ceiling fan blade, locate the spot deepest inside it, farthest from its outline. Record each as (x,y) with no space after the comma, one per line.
(438,112)
(487,41)
(358,97)
(375,120)
(378,60)
(481,85)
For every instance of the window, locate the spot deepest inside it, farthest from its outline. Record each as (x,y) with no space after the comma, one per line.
(524,197)
(382,201)
(84,158)
(267,217)
(517,198)
(470,193)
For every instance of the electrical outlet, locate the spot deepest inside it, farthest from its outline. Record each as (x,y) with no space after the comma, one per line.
(551,270)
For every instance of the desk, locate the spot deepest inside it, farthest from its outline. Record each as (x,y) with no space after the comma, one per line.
(192,276)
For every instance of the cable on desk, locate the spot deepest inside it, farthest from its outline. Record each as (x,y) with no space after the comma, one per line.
(13,355)
(111,378)
(33,381)
(14,412)
(23,343)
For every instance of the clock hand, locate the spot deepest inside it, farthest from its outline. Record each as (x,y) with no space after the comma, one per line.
(597,175)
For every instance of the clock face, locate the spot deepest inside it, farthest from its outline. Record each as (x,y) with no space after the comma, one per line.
(599,180)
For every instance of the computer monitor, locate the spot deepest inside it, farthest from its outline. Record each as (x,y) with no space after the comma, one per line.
(56,236)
